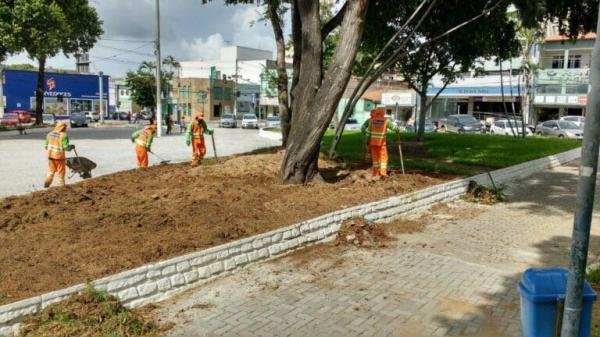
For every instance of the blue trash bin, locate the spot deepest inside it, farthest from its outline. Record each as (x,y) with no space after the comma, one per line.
(542,299)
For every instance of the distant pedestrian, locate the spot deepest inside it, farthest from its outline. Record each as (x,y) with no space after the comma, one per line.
(182,126)
(169,122)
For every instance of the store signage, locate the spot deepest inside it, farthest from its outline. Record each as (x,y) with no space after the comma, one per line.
(572,76)
(474,91)
(561,99)
(538,99)
(583,100)
(398,98)
(573,99)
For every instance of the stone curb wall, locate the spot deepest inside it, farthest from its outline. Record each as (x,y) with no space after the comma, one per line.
(158,281)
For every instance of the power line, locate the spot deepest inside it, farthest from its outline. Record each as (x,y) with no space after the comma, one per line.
(127,51)
(125,40)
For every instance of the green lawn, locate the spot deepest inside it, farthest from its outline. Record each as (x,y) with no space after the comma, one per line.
(456,154)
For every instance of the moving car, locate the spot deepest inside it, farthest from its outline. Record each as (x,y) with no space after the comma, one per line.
(352,124)
(503,127)
(249,121)
(462,124)
(560,129)
(273,122)
(429,126)
(48,119)
(10,119)
(78,119)
(92,116)
(227,121)
(577,120)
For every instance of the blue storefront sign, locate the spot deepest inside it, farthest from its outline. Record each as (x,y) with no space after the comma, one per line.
(63,93)
(474,91)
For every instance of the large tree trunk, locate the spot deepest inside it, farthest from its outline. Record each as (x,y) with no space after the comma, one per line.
(422,112)
(282,78)
(316,100)
(39,91)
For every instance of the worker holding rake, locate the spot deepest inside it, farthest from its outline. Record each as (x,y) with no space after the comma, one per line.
(195,137)
(143,143)
(375,129)
(57,142)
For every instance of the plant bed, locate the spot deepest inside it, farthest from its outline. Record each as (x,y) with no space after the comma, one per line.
(60,237)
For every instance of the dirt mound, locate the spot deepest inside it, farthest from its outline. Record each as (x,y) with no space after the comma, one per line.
(90,314)
(360,233)
(67,235)
(484,195)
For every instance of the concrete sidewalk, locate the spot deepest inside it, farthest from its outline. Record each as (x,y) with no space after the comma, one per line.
(456,278)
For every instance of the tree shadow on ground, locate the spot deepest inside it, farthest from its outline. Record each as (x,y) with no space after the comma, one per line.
(497,312)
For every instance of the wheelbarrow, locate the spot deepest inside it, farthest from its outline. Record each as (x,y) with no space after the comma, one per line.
(81,166)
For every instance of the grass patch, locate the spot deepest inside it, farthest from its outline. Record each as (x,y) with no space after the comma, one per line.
(454,153)
(92,314)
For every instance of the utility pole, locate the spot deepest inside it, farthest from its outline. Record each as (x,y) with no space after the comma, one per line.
(584,205)
(158,74)
(235,86)
(101,91)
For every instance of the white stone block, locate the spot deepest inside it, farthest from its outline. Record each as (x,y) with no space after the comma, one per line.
(190,276)
(183,266)
(216,267)
(241,260)
(152,274)
(168,270)
(204,272)
(147,289)
(229,264)
(127,294)
(177,280)
(246,247)
(163,284)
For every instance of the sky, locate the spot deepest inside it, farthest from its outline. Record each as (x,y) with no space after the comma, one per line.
(189,31)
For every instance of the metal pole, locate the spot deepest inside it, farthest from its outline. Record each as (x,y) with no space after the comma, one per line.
(585,202)
(158,74)
(101,91)
(2,103)
(235,86)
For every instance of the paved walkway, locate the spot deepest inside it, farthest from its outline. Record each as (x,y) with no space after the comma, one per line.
(24,159)
(456,278)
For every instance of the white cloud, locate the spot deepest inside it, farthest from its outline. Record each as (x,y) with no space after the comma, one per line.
(251,30)
(201,49)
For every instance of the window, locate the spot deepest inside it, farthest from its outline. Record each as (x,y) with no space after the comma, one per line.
(549,89)
(227,95)
(558,62)
(217,93)
(577,89)
(499,125)
(574,62)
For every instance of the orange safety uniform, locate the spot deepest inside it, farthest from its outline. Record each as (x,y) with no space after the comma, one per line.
(143,143)
(376,129)
(57,142)
(195,136)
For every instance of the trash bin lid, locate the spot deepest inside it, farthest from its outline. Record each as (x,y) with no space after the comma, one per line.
(548,285)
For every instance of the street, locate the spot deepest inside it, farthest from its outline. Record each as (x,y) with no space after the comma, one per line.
(458,277)
(24,165)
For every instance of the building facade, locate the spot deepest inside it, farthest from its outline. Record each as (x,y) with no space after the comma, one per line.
(63,92)
(211,97)
(562,82)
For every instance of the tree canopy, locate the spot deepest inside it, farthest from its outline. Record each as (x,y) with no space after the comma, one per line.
(143,81)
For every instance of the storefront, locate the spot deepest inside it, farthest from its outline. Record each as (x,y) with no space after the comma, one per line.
(63,92)
(560,92)
(400,104)
(482,102)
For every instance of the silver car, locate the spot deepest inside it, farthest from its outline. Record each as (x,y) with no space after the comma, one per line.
(227,121)
(78,119)
(560,129)
(273,122)
(249,121)
(462,124)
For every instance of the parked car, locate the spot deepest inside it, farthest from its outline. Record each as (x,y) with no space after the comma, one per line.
(462,124)
(429,126)
(249,121)
(92,116)
(48,119)
(78,119)
(577,120)
(123,115)
(273,122)
(560,129)
(10,119)
(227,121)
(22,115)
(145,115)
(503,127)
(352,125)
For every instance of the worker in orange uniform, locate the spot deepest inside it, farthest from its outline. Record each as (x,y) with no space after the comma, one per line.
(376,129)
(143,144)
(57,142)
(195,136)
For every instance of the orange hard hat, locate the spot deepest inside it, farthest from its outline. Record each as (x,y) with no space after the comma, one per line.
(60,126)
(199,115)
(152,127)
(378,112)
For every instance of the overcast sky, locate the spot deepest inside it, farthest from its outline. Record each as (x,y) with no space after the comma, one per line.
(189,31)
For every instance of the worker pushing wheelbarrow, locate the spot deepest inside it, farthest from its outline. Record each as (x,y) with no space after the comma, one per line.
(57,143)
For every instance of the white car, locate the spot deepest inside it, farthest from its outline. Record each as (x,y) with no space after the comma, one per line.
(92,116)
(273,122)
(503,127)
(577,120)
(249,121)
(48,119)
(352,125)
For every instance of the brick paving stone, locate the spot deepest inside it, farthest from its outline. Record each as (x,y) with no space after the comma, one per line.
(456,278)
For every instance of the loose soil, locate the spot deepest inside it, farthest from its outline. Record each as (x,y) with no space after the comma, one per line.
(64,236)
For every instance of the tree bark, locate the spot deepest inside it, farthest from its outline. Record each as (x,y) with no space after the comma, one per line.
(39,91)
(422,111)
(315,100)
(282,78)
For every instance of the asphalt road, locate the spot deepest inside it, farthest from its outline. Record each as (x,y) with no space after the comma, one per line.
(23,165)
